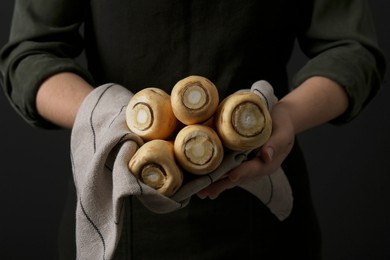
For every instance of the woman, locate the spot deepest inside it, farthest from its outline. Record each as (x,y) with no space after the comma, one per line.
(233,43)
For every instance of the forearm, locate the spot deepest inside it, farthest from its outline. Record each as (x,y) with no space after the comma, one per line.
(316,101)
(59,98)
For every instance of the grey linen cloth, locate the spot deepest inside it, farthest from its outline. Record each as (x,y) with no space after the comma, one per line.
(101,147)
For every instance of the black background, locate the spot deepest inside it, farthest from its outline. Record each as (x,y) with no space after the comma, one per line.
(349,165)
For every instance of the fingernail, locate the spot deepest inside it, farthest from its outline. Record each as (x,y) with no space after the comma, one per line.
(233,177)
(270,152)
(201,196)
(213,197)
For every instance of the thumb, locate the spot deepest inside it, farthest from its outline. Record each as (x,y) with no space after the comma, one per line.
(266,153)
(277,147)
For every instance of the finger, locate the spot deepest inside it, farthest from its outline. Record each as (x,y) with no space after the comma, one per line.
(246,169)
(266,153)
(281,140)
(276,148)
(215,189)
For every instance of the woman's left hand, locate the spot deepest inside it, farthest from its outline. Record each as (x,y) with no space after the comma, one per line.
(265,161)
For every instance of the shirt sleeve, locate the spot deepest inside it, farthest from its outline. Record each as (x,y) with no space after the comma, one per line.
(341,44)
(44,40)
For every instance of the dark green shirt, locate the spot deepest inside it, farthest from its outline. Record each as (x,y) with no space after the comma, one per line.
(234,43)
(141,43)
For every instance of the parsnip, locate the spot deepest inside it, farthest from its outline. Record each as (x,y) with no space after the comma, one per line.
(243,121)
(149,114)
(154,164)
(198,149)
(194,99)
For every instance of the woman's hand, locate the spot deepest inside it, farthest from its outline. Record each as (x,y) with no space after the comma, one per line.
(264,161)
(314,102)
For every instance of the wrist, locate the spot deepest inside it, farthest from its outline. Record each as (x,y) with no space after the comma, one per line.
(59,98)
